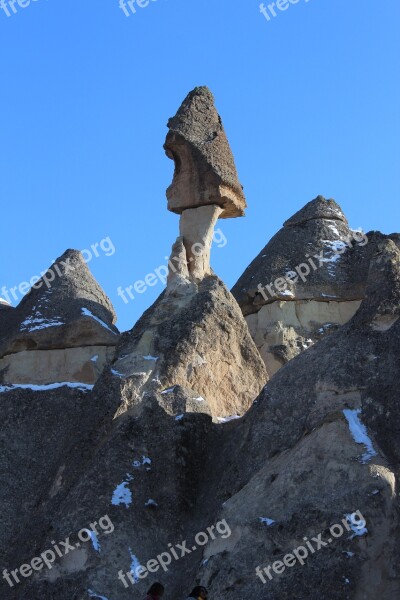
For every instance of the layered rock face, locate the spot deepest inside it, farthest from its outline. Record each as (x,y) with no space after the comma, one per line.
(62,331)
(307,281)
(179,461)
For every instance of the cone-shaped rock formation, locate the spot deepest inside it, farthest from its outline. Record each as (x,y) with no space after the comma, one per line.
(150,472)
(62,330)
(308,280)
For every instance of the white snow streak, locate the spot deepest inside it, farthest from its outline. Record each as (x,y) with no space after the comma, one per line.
(87,313)
(359,433)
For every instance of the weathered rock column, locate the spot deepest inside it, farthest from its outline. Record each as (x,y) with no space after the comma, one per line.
(205,186)
(196,227)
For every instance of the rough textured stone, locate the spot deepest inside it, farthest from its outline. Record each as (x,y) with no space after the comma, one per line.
(300,466)
(320,208)
(66,309)
(316,264)
(340,273)
(281,330)
(79,365)
(291,459)
(38,429)
(205,171)
(146,449)
(198,340)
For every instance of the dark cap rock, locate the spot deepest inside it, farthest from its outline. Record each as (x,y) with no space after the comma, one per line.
(319,208)
(205,171)
(66,308)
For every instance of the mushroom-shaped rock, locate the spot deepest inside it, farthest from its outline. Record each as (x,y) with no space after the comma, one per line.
(205,186)
(205,171)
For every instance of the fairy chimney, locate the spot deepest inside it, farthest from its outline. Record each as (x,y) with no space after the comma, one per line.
(205,185)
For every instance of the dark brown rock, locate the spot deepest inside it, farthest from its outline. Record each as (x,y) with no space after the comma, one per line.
(205,171)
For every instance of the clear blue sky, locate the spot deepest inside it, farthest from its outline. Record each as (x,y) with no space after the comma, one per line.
(309,100)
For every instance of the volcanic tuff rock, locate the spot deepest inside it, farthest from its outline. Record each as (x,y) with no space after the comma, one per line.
(143,447)
(198,340)
(62,330)
(311,471)
(308,280)
(4,305)
(205,171)
(205,186)
(38,429)
(292,459)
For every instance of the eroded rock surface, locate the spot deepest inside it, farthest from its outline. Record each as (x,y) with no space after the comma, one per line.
(62,330)
(199,340)
(308,280)
(205,171)
(290,469)
(301,467)
(174,438)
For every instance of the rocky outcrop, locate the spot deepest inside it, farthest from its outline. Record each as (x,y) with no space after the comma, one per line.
(173,466)
(194,336)
(4,305)
(62,330)
(198,339)
(205,171)
(321,442)
(205,186)
(291,471)
(307,281)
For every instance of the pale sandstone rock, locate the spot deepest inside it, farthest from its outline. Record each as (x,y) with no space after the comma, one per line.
(179,282)
(38,367)
(198,340)
(283,329)
(196,227)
